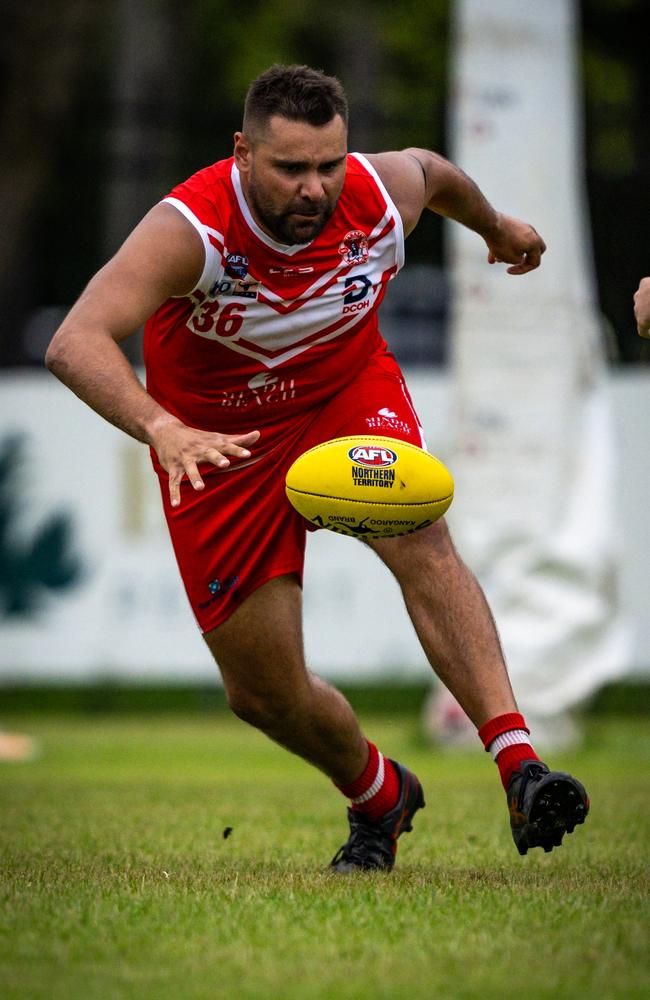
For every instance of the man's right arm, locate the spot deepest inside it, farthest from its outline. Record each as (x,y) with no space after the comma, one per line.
(161,258)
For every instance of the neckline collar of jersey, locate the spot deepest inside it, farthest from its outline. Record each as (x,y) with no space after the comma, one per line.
(289,251)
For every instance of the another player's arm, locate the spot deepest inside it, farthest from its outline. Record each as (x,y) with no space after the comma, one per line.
(642,308)
(162,257)
(418,179)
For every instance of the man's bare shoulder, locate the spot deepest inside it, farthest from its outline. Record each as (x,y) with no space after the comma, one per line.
(163,252)
(395,163)
(162,258)
(404,177)
(166,241)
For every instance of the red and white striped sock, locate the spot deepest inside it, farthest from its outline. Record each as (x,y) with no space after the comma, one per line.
(376,790)
(507,738)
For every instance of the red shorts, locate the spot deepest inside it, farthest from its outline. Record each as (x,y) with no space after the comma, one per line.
(241,531)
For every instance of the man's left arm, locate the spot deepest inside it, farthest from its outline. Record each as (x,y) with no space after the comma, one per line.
(417,179)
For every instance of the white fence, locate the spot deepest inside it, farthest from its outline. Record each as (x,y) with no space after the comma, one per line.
(124,614)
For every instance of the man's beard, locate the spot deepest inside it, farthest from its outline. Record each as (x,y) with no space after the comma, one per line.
(285,226)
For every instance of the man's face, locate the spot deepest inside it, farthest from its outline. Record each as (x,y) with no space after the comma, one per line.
(292,175)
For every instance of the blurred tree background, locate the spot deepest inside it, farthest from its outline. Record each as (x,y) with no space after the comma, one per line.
(105,106)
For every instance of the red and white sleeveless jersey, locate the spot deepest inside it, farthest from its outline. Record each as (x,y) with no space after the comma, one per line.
(272,330)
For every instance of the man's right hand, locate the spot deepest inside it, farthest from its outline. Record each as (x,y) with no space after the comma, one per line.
(642,308)
(180,449)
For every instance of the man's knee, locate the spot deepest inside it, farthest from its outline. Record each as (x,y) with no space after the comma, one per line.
(262,709)
(247,706)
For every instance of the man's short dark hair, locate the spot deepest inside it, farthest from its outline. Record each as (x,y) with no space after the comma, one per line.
(295,92)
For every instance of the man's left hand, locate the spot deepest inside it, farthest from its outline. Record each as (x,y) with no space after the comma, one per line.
(514,242)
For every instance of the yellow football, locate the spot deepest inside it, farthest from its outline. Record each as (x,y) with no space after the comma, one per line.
(369,487)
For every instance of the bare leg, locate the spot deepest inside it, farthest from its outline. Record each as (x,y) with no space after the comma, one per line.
(260,654)
(452,619)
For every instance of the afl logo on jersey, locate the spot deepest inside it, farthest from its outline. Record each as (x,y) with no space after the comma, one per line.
(237,265)
(370,456)
(354,247)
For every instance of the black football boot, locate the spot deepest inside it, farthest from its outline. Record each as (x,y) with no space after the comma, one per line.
(544,805)
(372,845)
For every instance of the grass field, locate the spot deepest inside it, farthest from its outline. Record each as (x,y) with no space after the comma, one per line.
(117,882)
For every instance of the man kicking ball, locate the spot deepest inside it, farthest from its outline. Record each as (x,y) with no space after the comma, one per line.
(258,281)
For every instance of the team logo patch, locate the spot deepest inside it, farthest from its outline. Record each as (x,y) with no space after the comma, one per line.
(242,288)
(372,457)
(354,247)
(218,588)
(237,265)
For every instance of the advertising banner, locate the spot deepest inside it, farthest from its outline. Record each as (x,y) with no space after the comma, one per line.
(89,587)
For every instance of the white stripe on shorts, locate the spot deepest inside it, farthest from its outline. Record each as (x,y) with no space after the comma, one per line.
(405,393)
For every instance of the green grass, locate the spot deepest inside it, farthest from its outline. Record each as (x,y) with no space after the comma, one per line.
(116,881)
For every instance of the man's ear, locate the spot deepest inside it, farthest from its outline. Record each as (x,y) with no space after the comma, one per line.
(242,151)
